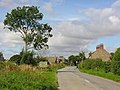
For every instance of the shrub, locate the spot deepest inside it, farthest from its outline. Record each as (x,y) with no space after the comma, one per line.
(8,66)
(97,64)
(16,59)
(92,64)
(107,66)
(116,62)
(87,64)
(27,58)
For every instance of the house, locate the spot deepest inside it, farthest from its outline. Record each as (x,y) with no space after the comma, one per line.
(60,59)
(55,60)
(101,53)
(52,60)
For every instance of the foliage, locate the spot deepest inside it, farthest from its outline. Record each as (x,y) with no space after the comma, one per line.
(12,78)
(8,66)
(56,67)
(112,54)
(27,58)
(2,65)
(1,57)
(26,21)
(93,64)
(24,58)
(116,62)
(38,59)
(82,56)
(28,80)
(107,66)
(16,59)
(72,59)
(78,58)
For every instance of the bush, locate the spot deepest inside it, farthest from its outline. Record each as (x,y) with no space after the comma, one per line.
(116,62)
(27,58)
(87,64)
(16,59)
(92,64)
(107,66)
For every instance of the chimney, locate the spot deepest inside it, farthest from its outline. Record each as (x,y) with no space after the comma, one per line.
(97,47)
(101,46)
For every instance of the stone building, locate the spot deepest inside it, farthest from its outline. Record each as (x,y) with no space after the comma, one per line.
(55,60)
(51,60)
(101,53)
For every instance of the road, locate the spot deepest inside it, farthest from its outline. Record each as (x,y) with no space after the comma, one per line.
(70,78)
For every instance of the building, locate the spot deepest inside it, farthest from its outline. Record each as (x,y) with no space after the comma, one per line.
(52,60)
(101,53)
(55,60)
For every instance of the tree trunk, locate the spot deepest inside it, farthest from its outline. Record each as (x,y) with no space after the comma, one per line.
(25,49)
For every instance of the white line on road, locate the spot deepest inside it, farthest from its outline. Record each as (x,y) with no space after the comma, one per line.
(87,81)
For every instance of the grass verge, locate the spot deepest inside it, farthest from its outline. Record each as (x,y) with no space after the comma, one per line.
(12,77)
(110,76)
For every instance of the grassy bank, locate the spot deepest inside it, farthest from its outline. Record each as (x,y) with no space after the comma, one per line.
(28,80)
(110,75)
(12,77)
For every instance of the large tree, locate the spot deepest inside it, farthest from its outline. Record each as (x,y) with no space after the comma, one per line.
(26,21)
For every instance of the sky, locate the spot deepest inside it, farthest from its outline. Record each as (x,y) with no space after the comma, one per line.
(77,25)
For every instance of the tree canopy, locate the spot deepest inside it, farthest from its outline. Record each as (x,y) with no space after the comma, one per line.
(76,59)
(26,21)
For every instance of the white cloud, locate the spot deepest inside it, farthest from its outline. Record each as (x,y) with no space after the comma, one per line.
(74,36)
(48,7)
(9,4)
(114,20)
(116,4)
(9,39)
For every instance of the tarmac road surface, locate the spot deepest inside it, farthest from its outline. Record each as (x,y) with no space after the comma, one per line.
(70,78)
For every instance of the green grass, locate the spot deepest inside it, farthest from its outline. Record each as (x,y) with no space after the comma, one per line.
(12,78)
(110,75)
(28,80)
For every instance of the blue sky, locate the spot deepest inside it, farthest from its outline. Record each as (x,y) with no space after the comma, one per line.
(78,25)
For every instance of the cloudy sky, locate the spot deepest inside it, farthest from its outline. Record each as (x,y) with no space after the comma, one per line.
(78,25)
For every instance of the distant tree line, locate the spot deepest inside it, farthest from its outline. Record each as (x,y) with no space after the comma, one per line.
(76,59)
